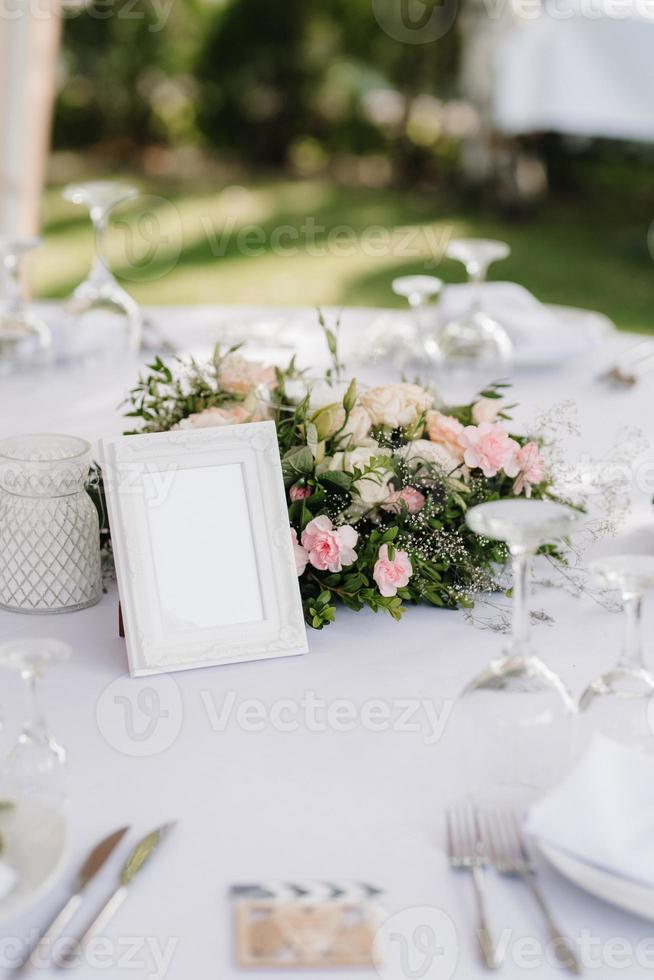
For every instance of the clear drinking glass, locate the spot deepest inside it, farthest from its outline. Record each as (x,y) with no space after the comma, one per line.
(420,292)
(619,703)
(25,338)
(100,291)
(402,339)
(36,765)
(517,713)
(474,349)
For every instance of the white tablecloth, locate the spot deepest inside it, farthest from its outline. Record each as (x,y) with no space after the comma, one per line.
(309,803)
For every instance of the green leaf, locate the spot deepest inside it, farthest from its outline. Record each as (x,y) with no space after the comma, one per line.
(297,463)
(312,439)
(337,478)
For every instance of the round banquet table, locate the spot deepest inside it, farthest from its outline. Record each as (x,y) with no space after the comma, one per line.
(313,800)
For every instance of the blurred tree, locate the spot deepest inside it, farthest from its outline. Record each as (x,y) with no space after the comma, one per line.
(257,77)
(276,73)
(118,61)
(268,81)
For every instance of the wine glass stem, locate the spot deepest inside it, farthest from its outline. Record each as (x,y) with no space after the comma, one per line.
(13,297)
(477,276)
(417,302)
(632,645)
(34,727)
(521,565)
(100,219)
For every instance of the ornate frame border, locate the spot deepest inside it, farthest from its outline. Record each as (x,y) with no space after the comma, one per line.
(150,650)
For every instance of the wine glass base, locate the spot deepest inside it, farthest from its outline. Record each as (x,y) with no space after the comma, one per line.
(514,724)
(620,706)
(35,768)
(102,320)
(621,682)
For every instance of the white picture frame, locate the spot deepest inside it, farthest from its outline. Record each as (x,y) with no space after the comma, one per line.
(202,546)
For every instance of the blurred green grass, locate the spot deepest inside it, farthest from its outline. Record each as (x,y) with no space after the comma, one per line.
(182,245)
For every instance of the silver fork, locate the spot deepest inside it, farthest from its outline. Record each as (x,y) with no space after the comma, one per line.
(465,851)
(508,854)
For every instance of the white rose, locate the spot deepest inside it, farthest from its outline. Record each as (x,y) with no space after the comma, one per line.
(373,488)
(356,431)
(431,452)
(321,393)
(395,405)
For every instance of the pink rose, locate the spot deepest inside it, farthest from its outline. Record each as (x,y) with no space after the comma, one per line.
(446,431)
(299,493)
(411,498)
(531,469)
(239,376)
(486,410)
(392,574)
(490,448)
(210,417)
(329,547)
(299,553)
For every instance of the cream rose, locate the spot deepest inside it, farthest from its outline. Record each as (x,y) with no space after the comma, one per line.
(356,431)
(486,410)
(239,376)
(395,405)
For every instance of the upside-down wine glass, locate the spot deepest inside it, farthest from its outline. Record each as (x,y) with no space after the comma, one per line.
(620,702)
(517,713)
(36,765)
(25,338)
(402,339)
(419,291)
(100,291)
(473,349)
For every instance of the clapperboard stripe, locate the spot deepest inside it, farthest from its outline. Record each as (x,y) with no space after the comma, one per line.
(308,891)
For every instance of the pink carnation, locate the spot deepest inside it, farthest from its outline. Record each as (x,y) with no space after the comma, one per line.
(490,448)
(531,469)
(299,553)
(329,547)
(299,493)
(411,498)
(392,574)
(446,431)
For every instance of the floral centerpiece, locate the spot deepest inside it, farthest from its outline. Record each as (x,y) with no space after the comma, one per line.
(378,479)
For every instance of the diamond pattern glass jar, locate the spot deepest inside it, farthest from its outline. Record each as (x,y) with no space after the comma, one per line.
(49,531)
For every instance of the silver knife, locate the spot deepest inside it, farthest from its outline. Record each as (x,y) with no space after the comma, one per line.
(96,859)
(138,858)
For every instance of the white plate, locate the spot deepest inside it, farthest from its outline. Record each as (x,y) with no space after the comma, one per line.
(633,896)
(35,847)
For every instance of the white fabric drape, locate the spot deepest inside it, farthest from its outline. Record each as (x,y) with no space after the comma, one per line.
(29,41)
(577,75)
